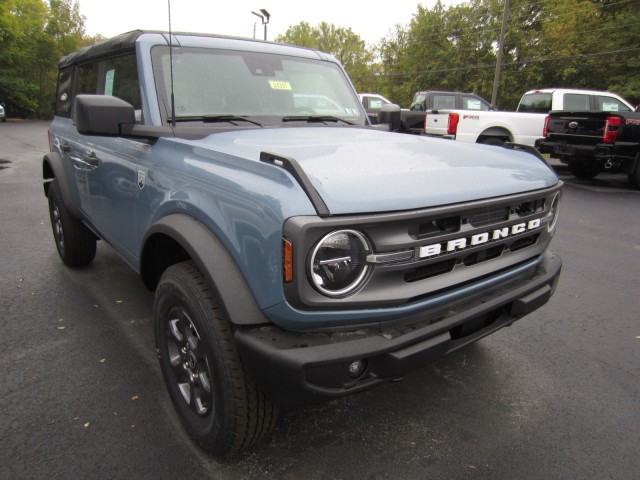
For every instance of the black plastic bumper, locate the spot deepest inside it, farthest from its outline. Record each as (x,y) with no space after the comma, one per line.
(565,151)
(297,368)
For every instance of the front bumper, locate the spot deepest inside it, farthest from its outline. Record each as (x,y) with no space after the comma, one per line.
(298,368)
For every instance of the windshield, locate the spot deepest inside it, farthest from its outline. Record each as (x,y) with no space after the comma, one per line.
(213,82)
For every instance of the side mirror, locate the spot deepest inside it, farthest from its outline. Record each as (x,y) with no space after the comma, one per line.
(102,114)
(390,115)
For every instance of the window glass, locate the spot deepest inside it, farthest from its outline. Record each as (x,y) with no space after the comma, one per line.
(576,101)
(610,104)
(444,102)
(63,97)
(419,100)
(116,77)
(537,102)
(225,82)
(474,103)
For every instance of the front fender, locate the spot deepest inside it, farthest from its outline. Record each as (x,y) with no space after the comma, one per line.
(52,168)
(212,259)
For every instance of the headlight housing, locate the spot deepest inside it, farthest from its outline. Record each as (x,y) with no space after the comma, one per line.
(554,210)
(338,263)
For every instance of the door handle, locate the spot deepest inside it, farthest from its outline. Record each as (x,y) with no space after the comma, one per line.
(91,159)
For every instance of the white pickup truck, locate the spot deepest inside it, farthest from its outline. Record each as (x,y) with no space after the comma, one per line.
(523,126)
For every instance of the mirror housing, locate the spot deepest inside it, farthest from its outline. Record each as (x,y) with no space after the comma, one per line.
(102,115)
(390,115)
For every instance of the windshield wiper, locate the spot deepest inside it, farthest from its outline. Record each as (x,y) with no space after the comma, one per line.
(214,119)
(315,118)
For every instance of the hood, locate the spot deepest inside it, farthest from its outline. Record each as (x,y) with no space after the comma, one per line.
(359,170)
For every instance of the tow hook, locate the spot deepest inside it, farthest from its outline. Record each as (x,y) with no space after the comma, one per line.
(608,164)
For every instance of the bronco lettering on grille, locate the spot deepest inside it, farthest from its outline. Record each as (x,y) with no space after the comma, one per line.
(479,238)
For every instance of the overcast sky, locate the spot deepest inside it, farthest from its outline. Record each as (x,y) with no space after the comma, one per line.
(371,20)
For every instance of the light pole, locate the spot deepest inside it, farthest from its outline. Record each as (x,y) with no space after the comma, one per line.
(496,78)
(264,17)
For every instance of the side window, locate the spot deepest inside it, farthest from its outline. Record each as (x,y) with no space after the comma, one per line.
(418,102)
(63,94)
(473,103)
(375,104)
(535,103)
(117,77)
(444,102)
(610,104)
(576,101)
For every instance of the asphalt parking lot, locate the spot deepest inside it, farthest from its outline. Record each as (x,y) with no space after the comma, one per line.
(557,395)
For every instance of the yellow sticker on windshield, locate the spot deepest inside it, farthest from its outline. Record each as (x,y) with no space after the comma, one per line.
(276,85)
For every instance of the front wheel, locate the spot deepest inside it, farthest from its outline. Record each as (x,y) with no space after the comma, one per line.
(75,243)
(217,401)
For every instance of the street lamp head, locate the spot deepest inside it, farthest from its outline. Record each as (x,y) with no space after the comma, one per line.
(266,14)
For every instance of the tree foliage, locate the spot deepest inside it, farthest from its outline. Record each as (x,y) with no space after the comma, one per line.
(341,42)
(549,43)
(34,34)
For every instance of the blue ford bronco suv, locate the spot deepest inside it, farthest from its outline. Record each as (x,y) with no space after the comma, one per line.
(297,252)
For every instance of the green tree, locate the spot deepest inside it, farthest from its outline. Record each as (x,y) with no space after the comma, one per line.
(621,33)
(22,33)
(33,35)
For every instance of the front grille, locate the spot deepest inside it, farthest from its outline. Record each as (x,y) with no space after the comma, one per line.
(418,254)
(488,216)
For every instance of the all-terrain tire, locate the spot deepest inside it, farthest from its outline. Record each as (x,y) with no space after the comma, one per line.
(76,244)
(494,141)
(634,176)
(217,401)
(582,170)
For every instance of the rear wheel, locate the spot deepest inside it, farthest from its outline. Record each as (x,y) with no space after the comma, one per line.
(75,243)
(581,169)
(217,401)
(495,141)
(634,176)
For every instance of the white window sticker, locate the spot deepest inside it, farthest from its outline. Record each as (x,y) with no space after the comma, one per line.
(279,85)
(609,107)
(474,105)
(108,82)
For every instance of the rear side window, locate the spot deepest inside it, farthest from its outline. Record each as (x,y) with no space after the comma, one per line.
(535,103)
(610,104)
(474,103)
(419,101)
(576,101)
(444,102)
(63,96)
(116,77)
(373,104)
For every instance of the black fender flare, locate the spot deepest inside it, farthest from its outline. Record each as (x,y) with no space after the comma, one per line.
(52,167)
(214,262)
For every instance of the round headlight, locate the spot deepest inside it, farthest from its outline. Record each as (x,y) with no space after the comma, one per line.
(554,210)
(338,263)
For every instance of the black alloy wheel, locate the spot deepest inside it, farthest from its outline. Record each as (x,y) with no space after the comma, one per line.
(216,399)
(76,244)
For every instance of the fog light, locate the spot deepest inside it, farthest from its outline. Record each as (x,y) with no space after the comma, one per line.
(356,368)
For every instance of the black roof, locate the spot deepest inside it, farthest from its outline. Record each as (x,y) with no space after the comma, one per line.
(125,43)
(119,44)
